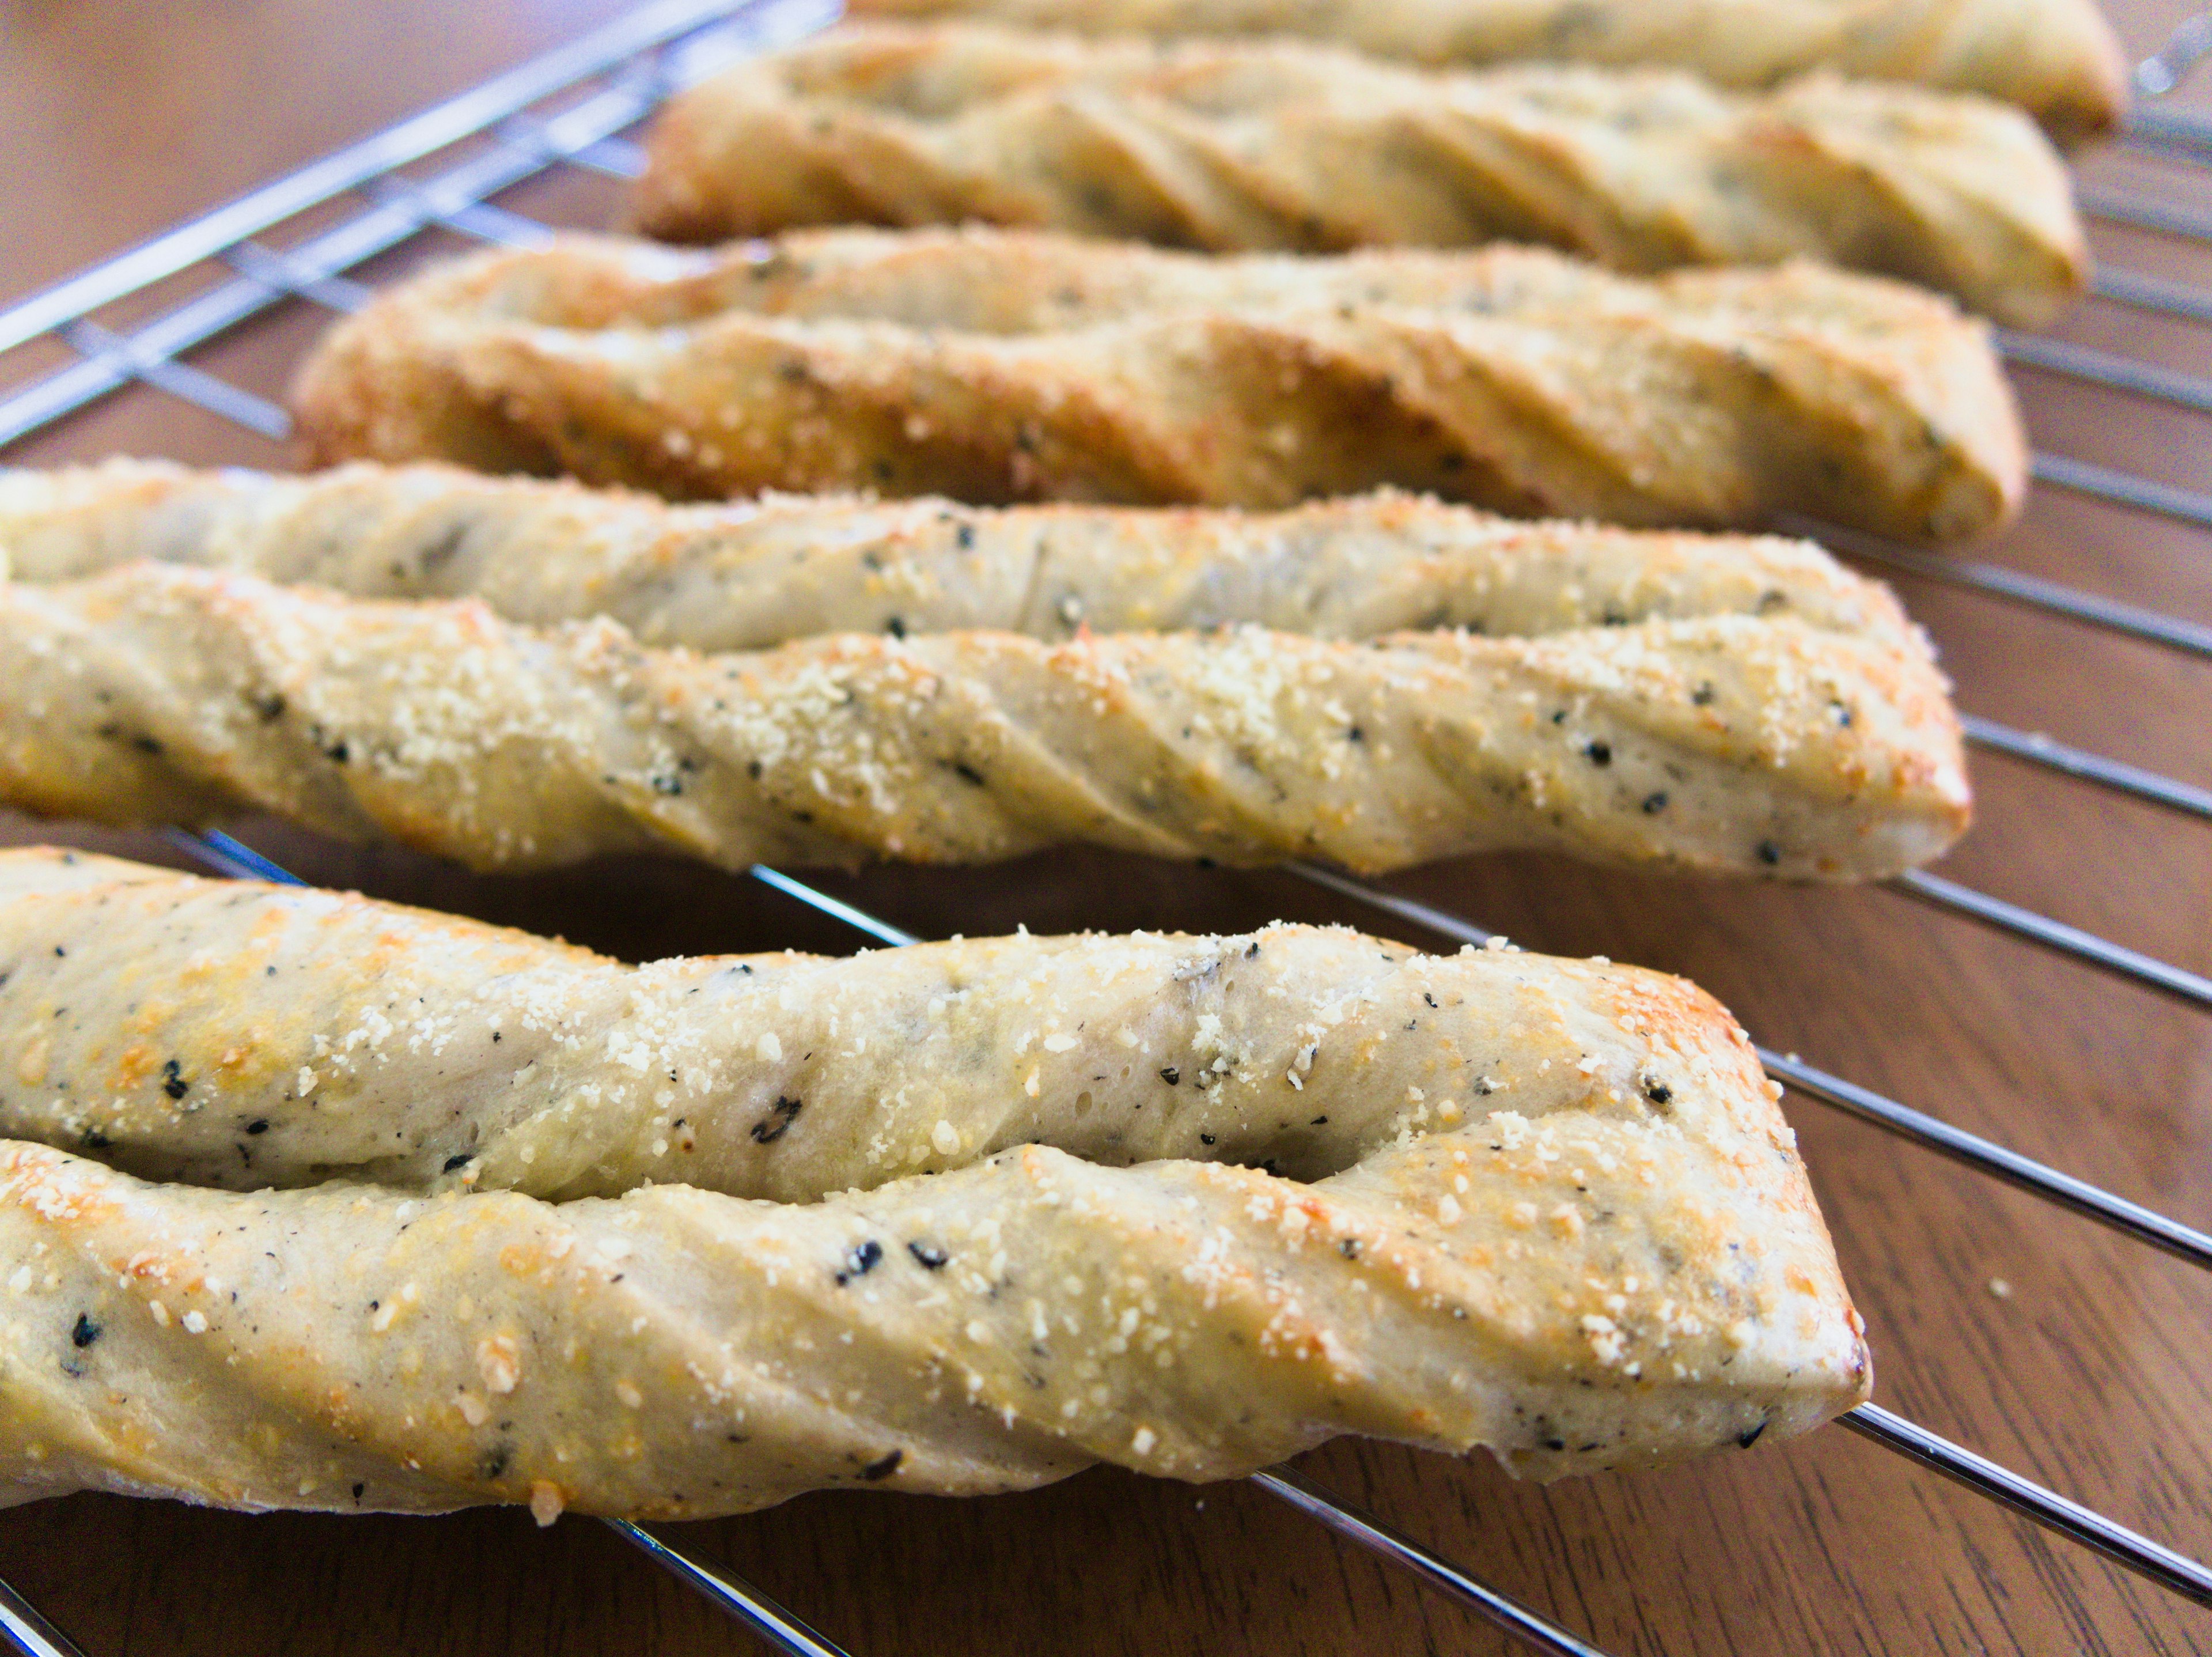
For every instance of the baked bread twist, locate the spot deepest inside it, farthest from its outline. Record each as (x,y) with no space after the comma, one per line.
(996,367)
(1623,1267)
(2058,59)
(1727,743)
(744,576)
(1275,144)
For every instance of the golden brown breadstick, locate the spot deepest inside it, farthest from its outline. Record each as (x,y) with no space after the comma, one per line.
(1582,1238)
(2056,58)
(1276,144)
(1727,743)
(751,575)
(997,366)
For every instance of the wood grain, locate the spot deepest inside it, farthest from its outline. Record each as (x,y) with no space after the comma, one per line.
(2091,1373)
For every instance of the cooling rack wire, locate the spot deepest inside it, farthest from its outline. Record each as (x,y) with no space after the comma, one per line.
(624,71)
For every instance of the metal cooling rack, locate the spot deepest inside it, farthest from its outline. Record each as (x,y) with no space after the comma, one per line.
(570,109)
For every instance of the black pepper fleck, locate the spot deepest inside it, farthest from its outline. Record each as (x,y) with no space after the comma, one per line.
(929,1259)
(860,1261)
(773,1126)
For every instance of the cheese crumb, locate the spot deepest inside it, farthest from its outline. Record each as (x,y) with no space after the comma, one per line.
(1605,1337)
(499,1361)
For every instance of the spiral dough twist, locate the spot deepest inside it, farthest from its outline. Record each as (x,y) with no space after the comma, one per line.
(2059,60)
(1008,366)
(1542,1206)
(1270,144)
(1726,743)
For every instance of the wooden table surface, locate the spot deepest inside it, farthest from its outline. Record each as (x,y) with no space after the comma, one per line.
(2079,1359)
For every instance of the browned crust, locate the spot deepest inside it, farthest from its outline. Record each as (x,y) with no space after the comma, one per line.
(997,368)
(1272,144)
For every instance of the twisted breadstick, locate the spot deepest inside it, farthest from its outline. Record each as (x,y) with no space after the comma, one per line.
(1727,743)
(745,576)
(996,367)
(1268,143)
(1624,1267)
(2059,58)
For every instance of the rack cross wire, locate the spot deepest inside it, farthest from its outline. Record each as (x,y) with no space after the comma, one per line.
(635,64)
